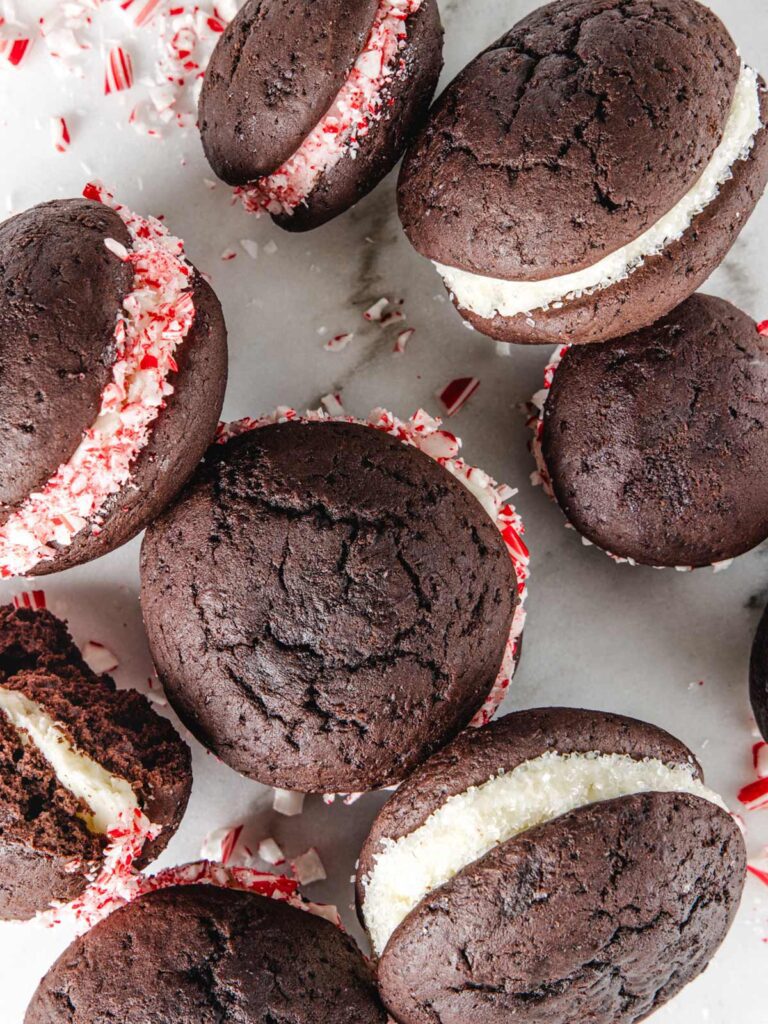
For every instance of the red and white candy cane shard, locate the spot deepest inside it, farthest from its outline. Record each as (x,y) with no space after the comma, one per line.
(401,341)
(60,134)
(760,759)
(425,433)
(157,316)
(762,328)
(119,71)
(360,102)
(34,599)
(14,50)
(455,395)
(754,796)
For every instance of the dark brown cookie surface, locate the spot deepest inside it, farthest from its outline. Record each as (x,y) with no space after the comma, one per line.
(200,955)
(537,160)
(43,835)
(60,293)
(656,443)
(326,605)
(602,913)
(758,675)
(276,73)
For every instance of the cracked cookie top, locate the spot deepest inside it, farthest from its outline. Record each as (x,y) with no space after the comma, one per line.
(569,137)
(656,444)
(326,605)
(200,954)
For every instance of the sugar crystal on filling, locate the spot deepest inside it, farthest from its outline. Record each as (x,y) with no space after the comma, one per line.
(489,296)
(358,104)
(467,826)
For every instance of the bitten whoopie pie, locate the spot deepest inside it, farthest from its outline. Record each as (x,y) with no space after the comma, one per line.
(308,104)
(326,604)
(585,174)
(758,675)
(200,954)
(114,362)
(558,865)
(656,445)
(92,780)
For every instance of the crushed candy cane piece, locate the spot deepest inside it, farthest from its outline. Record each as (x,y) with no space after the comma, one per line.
(250,247)
(332,404)
(60,134)
(270,852)
(158,314)
(338,342)
(402,340)
(34,599)
(762,328)
(228,254)
(396,316)
(760,759)
(375,312)
(754,796)
(424,432)
(457,393)
(220,845)
(308,868)
(119,71)
(99,658)
(288,803)
(759,869)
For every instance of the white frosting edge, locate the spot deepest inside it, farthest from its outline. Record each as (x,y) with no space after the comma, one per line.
(489,296)
(109,798)
(467,826)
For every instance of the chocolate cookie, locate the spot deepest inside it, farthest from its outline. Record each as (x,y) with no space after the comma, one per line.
(308,104)
(81,762)
(327,605)
(114,366)
(758,675)
(656,444)
(558,865)
(199,955)
(585,174)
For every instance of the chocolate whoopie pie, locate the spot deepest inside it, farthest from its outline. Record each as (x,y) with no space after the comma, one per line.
(198,954)
(327,605)
(308,104)
(586,173)
(87,772)
(557,866)
(114,362)
(655,445)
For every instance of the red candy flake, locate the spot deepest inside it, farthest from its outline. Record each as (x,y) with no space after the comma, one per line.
(34,599)
(156,318)
(360,102)
(119,72)
(425,433)
(456,394)
(14,42)
(755,795)
(762,328)
(60,134)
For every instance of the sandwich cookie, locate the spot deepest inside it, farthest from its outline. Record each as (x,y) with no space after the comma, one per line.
(330,601)
(93,784)
(308,104)
(655,445)
(198,954)
(586,173)
(114,365)
(559,865)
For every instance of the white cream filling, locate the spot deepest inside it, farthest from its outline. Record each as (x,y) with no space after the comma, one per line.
(105,795)
(488,296)
(470,824)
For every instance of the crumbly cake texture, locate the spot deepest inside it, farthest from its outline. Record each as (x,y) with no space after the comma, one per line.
(552,173)
(200,954)
(306,148)
(52,849)
(654,445)
(401,559)
(97,465)
(604,911)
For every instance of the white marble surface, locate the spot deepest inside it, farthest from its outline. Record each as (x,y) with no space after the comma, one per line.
(665,646)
